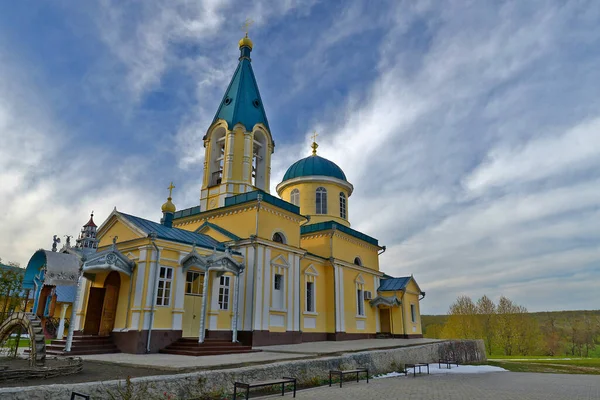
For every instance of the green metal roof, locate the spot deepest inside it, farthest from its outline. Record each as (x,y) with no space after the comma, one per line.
(217,228)
(241,102)
(323,226)
(313,166)
(267,198)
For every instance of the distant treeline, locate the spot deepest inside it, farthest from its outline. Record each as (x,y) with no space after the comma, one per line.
(508,329)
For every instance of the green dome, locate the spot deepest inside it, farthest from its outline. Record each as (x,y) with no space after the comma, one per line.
(314,165)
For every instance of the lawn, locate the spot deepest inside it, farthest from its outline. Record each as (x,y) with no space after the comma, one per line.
(590,366)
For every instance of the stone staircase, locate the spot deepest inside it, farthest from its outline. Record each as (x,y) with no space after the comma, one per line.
(210,347)
(83,345)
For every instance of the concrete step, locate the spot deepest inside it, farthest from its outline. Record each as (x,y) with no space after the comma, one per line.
(206,352)
(75,352)
(208,348)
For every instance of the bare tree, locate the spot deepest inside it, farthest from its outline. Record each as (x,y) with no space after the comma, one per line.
(486,309)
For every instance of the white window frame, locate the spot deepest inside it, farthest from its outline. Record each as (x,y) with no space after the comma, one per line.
(164,285)
(200,283)
(295,197)
(321,199)
(360,301)
(343,206)
(310,276)
(224,295)
(279,266)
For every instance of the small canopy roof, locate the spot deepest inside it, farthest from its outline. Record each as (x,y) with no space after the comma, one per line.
(391,301)
(216,261)
(109,260)
(61,269)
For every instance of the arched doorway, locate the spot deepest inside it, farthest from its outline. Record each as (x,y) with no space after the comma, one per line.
(112,284)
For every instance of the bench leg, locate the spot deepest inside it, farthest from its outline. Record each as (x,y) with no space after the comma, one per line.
(367,376)
(294,388)
(234,392)
(357,377)
(283,389)
(341,379)
(427,369)
(247,392)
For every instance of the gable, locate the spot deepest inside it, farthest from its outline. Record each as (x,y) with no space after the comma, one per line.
(115,226)
(216,232)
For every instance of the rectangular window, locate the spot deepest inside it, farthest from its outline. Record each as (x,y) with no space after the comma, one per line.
(413,313)
(310,296)
(194,283)
(165,281)
(278,288)
(361,302)
(224,293)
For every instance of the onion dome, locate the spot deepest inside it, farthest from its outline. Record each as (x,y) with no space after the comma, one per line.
(169,207)
(314,165)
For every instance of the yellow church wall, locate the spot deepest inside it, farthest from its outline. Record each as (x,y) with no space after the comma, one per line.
(241,222)
(345,248)
(269,223)
(318,244)
(324,315)
(213,233)
(350,302)
(308,201)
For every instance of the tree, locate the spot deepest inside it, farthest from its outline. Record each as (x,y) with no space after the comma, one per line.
(486,309)
(506,325)
(462,321)
(552,337)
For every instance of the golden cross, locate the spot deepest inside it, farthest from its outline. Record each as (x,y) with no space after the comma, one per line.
(171,187)
(314,136)
(247,24)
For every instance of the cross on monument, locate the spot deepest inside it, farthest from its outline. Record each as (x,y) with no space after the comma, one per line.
(246,25)
(171,187)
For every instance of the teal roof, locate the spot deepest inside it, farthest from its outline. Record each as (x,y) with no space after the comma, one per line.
(323,226)
(266,197)
(393,284)
(217,228)
(241,102)
(174,234)
(312,166)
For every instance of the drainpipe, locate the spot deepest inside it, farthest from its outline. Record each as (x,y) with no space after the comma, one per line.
(422,294)
(331,260)
(255,266)
(152,237)
(383,248)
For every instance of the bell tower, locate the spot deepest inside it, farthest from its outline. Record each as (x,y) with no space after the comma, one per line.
(238,144)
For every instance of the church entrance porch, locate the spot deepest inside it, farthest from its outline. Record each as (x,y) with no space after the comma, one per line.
(192,304)
(102,307)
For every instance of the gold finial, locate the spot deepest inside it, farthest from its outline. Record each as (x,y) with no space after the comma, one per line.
(314,143)
(246,25)
(169,206)
(245,41)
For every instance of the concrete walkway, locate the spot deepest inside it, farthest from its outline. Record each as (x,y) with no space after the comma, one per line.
(343,346)
(267,355)
(488,386)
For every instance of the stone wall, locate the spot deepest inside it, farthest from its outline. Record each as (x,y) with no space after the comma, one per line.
(203,384)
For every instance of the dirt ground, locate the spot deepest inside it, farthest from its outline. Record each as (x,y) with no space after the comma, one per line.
(92,371)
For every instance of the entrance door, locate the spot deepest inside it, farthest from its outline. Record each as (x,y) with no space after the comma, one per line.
(93,313)
(112,284)
(384,320)
(192,303)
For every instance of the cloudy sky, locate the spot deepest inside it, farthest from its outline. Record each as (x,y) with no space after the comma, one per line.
(470,129)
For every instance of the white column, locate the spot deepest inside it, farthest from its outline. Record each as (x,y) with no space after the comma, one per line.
(74,312)
(177,322)
(236,296)
(267,288)
(258,305)
(203,313)
(291,274)
(61,325)
(249,289)
(298,290)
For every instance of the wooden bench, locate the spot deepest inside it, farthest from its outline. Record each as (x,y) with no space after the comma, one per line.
(414,367)
(283,381)
(349,371)
(75,395)
(447,362)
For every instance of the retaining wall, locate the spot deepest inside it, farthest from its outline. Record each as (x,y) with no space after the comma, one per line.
(206,384)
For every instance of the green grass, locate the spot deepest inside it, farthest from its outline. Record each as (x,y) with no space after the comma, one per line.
(588,366)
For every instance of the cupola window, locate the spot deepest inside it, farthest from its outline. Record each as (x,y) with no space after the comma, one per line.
(295,197)
(342,205)
(217,157)
(259,155)
(358,261)
(321,201)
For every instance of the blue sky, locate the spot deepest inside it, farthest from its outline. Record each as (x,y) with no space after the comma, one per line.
(471,132)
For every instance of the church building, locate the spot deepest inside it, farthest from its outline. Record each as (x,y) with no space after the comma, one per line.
(244,266)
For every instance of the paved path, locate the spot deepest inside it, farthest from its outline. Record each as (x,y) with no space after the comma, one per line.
(342,346)
(484,386)
(268,354)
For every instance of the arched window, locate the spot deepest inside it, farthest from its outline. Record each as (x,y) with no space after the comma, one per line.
(357,261)
(321,201)
(217,157)
(259,155)
(342,205)
(278,237)
(295,197)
